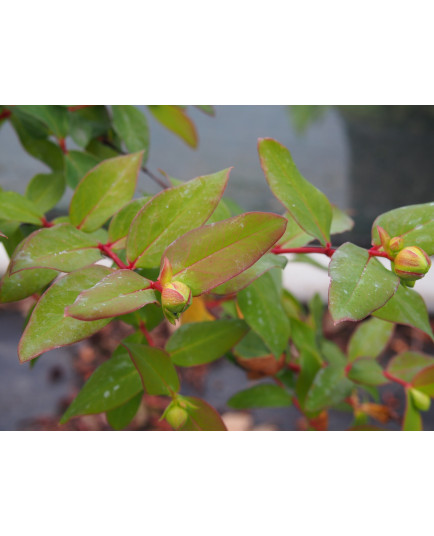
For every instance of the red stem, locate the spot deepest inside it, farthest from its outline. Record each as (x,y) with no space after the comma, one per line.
(46,223)
(62,145)
(328,250)
(5,114)
(146,333)
(112,255)
(395,379)
(156,285)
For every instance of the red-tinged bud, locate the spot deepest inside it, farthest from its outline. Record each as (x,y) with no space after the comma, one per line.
(411,263)
(165,272)
(384,238)
(396,244)
(175,299)
(421,400)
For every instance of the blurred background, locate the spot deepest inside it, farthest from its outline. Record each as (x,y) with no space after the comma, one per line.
(366,159)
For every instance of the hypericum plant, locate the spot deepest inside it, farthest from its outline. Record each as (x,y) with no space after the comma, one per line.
(183,252)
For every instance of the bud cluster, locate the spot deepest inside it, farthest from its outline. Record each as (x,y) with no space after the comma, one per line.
(409,263)
(176,296)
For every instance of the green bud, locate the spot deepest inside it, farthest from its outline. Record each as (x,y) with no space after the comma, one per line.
(411,263)
(176,416)
(175,299)
(396,244)
(421,400)
(384,238)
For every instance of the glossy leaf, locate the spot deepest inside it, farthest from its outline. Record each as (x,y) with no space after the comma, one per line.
(16,207)
(329,387)
(88,123)
(415,223)
(251,347)
(119,418)
(332,353)
(171,214)
(54,117)
(407,307)
(104,191)
(367,372)
(201,416)
(61,247)
(359,284)
(121,222)
(203,342)
(262,309)
(77,164)
(412,418)
(310,363)
(211,255)
(294,236)
(120,292)
(424,381)
(48,327)
(25,283)
(370,338)
(159,376)
(222,212)
(46,190)
(132,127)
(408,364)
(263,265)
(264,395)
(308,206)
(177,121)
(37,146)
(113,384)
(341,222)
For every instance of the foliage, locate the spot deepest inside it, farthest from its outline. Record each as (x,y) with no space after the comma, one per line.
(189,253)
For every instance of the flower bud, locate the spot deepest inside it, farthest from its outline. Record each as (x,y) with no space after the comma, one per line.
(411,263)
(175,299)
(396,244)
(384,238)
(421,400)
(176,416)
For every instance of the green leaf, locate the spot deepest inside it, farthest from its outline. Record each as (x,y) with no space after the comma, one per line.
(177,121)
(310,363)
(263,265)
(120,292)
(201,416)
(159,376)
(251,346)
(202,342)
(46,190)
(366,371)
(104,191)
(308,206)
(412,418)
(264,395)
(25,283)
(61,247)
(408,364)
(112,385)
(88,123)
(332,353)
(294,236)
(407,307)
(424,381)
(33,141)
(329,387)
(119,418)
(209,110)
(262,309)
(172,213)
(359,284)
(121,222)
(16,207)
(77,164)
(370,338)
(414,223)
(48,328)
(56,118)
(211,255)
(341,222)
(222,212)
(132,127)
